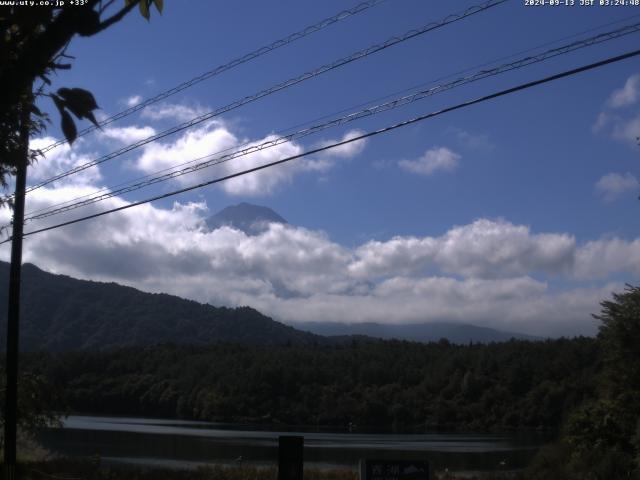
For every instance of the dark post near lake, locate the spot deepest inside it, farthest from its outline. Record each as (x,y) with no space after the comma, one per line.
(290,457)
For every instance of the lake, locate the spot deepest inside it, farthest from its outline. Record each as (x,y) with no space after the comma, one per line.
(187,444)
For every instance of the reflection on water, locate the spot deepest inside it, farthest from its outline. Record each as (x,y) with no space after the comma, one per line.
(180,444)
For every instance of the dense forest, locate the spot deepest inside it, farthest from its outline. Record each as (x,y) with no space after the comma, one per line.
(385,383)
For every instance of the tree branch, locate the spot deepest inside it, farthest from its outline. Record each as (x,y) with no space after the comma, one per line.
(116,17)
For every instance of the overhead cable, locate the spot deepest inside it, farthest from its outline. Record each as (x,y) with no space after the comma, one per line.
(275,88)
(520,87)
(386,106)
(361,7)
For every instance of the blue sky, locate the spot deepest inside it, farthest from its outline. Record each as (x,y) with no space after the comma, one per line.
(519,213)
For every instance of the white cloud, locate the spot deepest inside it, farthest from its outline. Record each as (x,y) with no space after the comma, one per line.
(172,111)
(133,100)
(326,160)
(627,129)
(488,272)
(522,304)
(602,258)
(265,181)
(348,150)
(214,140)
(62,159)
(478,273)
(473,141)
(601,122)
(433,160)
(627,95)
(488,249)
(482,249)
(613,185)
(209,138)
(621,125)
(127,135)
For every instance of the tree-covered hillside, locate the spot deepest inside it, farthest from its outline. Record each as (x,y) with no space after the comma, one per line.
(63,313)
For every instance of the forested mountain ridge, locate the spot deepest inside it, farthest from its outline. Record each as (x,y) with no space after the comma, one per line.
(64,313)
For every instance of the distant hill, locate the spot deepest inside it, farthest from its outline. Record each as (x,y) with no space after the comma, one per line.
(62,313)
(421,332)
(251,219)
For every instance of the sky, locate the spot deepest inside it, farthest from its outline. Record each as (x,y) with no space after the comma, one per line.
(519,213)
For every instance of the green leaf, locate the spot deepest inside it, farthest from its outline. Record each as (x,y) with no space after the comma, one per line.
(68,127)
(92,119)
(59,103)
(144,8)
(159,5)
(80,97)
(79,101)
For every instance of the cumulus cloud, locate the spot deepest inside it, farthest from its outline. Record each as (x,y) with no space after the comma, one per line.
(602,258)
(62,159)
(490,272)
(626,129)
(621,125)
(126,135)
(326,160)
(439,158)
(482,249)
(472,141)
(521,304)
(613,185)
(480,273)
(172,111)
(132,101)
(627,95)
(214,140)
(212,137)
(348,150)
(602,121)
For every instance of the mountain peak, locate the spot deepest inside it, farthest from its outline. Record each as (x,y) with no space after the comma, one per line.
(251,219)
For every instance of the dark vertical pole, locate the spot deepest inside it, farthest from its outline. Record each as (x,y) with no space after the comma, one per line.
(290,457)
(13,317)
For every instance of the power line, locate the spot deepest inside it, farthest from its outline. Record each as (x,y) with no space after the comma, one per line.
(386,106)
(228,66)
(275,88)
(468,103)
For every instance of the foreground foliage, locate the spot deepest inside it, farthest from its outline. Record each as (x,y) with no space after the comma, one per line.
(601,438)
(63,313)
(90,469)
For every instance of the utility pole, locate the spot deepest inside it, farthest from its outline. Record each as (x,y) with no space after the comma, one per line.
(13,316)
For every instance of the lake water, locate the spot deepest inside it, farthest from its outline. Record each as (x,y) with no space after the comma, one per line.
(180,444)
